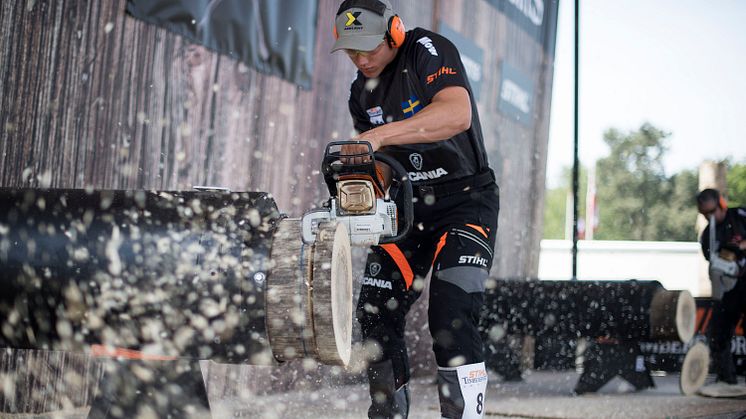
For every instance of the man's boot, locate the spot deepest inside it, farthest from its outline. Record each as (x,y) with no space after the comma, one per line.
(387,400)
(726,369)
(462,391)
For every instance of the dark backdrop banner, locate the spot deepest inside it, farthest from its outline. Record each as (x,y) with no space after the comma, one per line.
(274,37)
(537,17)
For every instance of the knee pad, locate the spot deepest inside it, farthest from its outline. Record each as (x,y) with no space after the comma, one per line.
(461,391)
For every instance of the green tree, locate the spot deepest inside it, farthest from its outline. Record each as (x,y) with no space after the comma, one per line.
(737,184)
(630,183)
(676,215)
(636,200)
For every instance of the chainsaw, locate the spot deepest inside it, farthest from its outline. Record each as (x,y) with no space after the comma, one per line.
(358,198)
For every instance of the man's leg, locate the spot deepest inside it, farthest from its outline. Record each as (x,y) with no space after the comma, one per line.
(456,297)
(726,314)
(385,297)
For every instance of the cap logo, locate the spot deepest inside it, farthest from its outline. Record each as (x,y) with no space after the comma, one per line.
(352,19)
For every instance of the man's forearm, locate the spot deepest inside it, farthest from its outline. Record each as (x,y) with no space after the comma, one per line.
(448,114)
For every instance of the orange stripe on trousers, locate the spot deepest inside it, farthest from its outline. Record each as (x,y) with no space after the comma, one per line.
(401,262)
(441,243)
(479,229)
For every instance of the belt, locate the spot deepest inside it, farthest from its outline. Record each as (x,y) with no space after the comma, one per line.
(456,186)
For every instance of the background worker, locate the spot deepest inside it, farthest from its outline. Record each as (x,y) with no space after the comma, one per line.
(729,294)
(411,100)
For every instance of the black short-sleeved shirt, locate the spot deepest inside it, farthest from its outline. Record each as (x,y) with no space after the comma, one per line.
(425,64)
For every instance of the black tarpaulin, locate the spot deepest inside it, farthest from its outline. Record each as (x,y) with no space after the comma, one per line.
(274,37)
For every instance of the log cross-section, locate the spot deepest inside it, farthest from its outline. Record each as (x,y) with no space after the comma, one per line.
(309,295)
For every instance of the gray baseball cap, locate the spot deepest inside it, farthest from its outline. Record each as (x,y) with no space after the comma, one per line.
(362,28)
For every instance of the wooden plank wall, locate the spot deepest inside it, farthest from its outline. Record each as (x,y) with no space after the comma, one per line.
(90,97)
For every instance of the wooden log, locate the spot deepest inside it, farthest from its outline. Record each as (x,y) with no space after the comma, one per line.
(627,310)
(673,315)
(76,263)
(309,296)
(332,295)
(295,299)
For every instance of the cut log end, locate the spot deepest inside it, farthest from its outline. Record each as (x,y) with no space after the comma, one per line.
(694,369)
(332,295)
(309,295)
(673,315)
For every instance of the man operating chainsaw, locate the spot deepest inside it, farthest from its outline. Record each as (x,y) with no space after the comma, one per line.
(724,245)
(411,101)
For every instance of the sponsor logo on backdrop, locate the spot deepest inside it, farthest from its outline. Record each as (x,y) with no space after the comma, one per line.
(428,44)
(473,68)
(516,94)
(513,94)
(532,9)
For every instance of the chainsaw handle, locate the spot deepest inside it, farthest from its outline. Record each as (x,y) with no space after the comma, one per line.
(405,202)
(334,165)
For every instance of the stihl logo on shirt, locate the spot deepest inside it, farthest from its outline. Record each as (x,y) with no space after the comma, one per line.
(473,260)
(432,174)
(443,70)
(475,376)
(379,283)
(428,43)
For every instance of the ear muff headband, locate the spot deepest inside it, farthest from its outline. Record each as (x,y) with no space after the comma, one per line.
(396,32)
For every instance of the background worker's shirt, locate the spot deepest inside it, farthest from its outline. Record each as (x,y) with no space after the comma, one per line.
(728,234)
(424,65)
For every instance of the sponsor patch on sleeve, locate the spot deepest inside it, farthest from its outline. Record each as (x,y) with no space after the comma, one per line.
(376,115)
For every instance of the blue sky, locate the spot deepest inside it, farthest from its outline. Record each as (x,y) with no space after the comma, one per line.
(678,64)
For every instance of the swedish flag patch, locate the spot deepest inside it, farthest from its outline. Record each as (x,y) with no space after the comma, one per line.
(411,106)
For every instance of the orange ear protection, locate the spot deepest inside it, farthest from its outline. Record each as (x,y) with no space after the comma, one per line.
(395,32)
(723,204)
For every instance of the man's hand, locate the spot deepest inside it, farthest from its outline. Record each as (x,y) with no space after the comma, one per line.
(358,149)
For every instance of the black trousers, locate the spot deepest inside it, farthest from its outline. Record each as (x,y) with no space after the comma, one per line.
(725,316)
(455,236)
